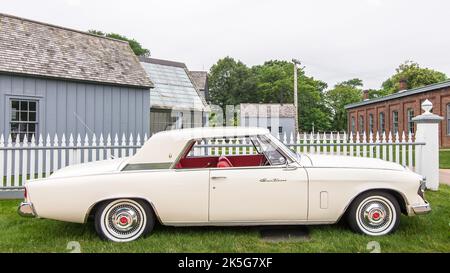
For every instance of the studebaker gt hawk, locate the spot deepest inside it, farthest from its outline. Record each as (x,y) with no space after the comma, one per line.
(168,181)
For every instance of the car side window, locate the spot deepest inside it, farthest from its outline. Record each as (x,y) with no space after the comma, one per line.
(272,152)
(222,153)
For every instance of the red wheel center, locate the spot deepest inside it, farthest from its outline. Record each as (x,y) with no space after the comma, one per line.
(123,220)
(376,215)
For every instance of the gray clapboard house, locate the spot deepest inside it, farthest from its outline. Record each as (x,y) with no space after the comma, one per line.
(55,80)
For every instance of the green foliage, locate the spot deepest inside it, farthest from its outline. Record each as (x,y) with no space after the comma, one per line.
(231,82)
(342,94)
(414,75)
(135,45)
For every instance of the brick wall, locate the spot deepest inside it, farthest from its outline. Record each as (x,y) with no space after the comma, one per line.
(440,98)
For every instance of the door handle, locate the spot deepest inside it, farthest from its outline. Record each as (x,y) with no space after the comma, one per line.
(218,177)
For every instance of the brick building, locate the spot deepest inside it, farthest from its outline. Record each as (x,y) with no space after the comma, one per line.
(393,113)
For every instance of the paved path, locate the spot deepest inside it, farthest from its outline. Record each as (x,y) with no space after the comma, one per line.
(444,176)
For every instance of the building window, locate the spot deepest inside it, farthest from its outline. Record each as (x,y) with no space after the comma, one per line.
(395,122)
(448,119)
(23,118)
(269,128)
(410,116)
(353,125)
(371,123)
(247,120)
(382,123)
(361,124)
(280,129)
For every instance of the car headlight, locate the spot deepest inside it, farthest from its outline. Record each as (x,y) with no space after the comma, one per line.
(422,188)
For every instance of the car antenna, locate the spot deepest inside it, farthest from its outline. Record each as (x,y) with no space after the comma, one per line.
(87,128)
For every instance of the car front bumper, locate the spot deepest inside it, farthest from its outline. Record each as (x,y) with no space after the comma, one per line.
(26,209)
(421,209)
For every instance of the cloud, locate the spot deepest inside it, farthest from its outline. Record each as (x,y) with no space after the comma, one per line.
(73,3)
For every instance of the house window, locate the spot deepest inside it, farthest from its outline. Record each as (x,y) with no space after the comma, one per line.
(410,116)
(280,129)
(371,123)
(361,124)
(23,118)
(353,125)
(382,123)
(395,122)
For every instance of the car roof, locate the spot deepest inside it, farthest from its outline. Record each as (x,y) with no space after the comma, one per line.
(213,132)
(165,147)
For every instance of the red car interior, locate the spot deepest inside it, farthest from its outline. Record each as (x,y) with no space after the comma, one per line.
(221,161)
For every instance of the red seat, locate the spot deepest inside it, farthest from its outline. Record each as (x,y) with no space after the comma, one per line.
(224,162)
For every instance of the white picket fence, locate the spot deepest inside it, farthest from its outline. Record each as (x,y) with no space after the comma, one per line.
(39,158)
(400,148)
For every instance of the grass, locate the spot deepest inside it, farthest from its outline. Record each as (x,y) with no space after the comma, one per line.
(427,233)
(444,159)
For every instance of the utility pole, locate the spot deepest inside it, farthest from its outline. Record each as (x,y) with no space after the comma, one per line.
(296,62)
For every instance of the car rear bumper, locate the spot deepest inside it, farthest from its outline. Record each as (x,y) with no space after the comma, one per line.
(421,209)
(26,209)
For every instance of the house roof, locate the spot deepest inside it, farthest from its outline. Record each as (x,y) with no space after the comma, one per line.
(401,94)
(38,49)
(173,86)
(200,79)
(268,110)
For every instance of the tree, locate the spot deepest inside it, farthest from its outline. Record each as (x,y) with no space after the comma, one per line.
(135,45)
(342,94)
(414,75)
(230,83)
(275,84)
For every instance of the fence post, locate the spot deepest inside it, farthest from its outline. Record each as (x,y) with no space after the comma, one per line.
(428,157)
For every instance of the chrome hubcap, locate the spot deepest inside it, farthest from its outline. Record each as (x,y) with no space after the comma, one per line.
(375,215)
(124,220)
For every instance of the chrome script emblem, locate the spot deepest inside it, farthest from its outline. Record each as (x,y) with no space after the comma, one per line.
(272,180)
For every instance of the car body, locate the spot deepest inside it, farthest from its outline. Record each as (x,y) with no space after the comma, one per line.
(166,181)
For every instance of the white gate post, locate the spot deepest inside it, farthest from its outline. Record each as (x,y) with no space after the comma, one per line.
(428,158)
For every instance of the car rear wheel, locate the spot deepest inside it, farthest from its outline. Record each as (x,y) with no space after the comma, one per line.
(374,213)
(123,220)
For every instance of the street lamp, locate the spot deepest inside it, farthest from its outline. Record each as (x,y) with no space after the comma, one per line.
(296,63)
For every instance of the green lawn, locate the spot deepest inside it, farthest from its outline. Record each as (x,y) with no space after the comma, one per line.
(444,159)
(428,233)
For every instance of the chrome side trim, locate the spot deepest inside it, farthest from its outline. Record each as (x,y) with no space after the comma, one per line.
(251,223)
(147,166)
(26,209)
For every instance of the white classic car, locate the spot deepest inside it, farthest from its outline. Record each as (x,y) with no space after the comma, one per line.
(165,181)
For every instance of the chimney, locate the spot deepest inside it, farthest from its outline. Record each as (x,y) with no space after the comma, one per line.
(403,85)
(365,94)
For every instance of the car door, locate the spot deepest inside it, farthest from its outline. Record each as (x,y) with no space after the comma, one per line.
(258,194)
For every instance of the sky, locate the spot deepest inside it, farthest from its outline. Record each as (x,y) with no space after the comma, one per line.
(334,40)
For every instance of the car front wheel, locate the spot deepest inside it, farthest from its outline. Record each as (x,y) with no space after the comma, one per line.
(123,220)
(374,213)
